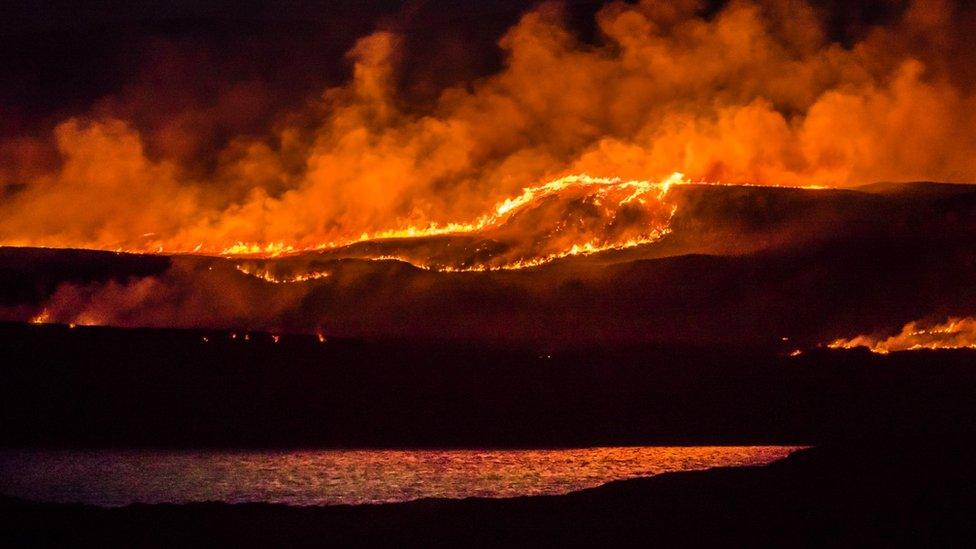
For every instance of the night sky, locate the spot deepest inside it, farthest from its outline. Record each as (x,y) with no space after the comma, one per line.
(62,57)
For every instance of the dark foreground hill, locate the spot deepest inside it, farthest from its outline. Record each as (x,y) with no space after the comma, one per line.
(82,386)
(910,493)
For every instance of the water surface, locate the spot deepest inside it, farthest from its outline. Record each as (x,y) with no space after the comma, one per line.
(325,477)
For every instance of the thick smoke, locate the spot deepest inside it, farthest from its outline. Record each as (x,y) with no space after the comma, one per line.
(754,92)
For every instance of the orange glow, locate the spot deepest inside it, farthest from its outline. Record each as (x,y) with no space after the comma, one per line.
(955,333)
(754,93)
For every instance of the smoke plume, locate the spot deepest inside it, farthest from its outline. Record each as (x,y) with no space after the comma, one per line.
(755,92)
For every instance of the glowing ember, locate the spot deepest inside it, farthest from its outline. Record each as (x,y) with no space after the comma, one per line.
(956,333)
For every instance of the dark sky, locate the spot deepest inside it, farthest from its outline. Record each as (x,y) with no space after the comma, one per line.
(61,57)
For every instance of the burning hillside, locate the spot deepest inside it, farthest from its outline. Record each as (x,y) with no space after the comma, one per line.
(575,215)
(536,198)
(752,91)
(734,265)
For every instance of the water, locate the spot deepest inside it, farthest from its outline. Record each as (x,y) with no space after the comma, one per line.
(324,477)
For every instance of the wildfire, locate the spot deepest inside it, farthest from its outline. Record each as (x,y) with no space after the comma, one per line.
(727,94)
(956,333)
(270,249)
(602,187)
(587,248)
(537,226)
(41,318)
(611,194)
(46,317)
(268,276)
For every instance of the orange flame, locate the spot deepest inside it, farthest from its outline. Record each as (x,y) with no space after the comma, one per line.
(268,276)
(638,191)
(41,318)
(955,333)
(609,196)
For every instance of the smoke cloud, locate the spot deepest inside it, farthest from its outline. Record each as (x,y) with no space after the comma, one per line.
(755,92)
(189,294)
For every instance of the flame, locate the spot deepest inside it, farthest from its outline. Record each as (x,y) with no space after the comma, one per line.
(557,240)
(602,191)
(503,210)
(268,276)
(41,318)
(611,194)
(955,333)
(269,249)
(586,248)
